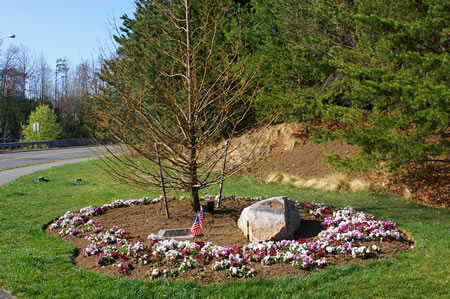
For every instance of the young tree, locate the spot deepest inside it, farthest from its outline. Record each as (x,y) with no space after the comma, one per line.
(49,129)
(178,80)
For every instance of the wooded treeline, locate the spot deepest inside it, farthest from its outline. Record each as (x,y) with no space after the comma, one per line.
(27,81)
(375,72)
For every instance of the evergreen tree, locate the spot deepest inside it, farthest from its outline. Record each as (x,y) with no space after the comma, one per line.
(378,68)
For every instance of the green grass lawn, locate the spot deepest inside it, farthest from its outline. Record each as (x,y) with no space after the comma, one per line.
(33,264)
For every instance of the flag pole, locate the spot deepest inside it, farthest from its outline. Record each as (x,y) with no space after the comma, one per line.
(223,172)
(161,181)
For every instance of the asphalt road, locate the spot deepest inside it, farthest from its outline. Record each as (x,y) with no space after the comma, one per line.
(14,159)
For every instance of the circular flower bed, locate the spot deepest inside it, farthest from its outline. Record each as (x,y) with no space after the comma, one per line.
(344,231)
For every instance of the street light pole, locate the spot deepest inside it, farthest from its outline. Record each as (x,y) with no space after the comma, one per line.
(8,36)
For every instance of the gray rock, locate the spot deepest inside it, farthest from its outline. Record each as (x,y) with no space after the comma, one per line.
(276,218)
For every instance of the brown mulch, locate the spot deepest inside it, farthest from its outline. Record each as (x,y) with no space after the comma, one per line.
(428,183)
(220,229)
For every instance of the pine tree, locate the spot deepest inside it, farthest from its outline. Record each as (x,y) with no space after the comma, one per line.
(378,68)
(395,82)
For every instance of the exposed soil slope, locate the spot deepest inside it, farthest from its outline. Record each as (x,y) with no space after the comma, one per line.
(292,153)
(304,160)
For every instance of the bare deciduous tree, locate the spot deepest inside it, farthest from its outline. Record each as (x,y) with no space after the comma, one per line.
(40,83)
(180,80)
(26,65)
(8,64)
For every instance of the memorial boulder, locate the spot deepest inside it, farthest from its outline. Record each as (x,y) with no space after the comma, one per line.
(275,218)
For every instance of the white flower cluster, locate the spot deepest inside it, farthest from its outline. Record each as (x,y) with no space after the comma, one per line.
(76,222)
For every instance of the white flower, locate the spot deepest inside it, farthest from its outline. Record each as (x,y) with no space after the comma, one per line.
(153,237)
(155,272)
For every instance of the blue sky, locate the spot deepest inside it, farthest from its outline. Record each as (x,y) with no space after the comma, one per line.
(69,29)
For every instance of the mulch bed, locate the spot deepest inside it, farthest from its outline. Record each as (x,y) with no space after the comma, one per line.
(429,184)
(220,229)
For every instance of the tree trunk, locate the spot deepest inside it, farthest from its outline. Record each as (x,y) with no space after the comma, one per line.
(191,115)
(195,199)
(194,184)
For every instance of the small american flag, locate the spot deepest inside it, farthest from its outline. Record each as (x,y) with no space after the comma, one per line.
(198,224)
